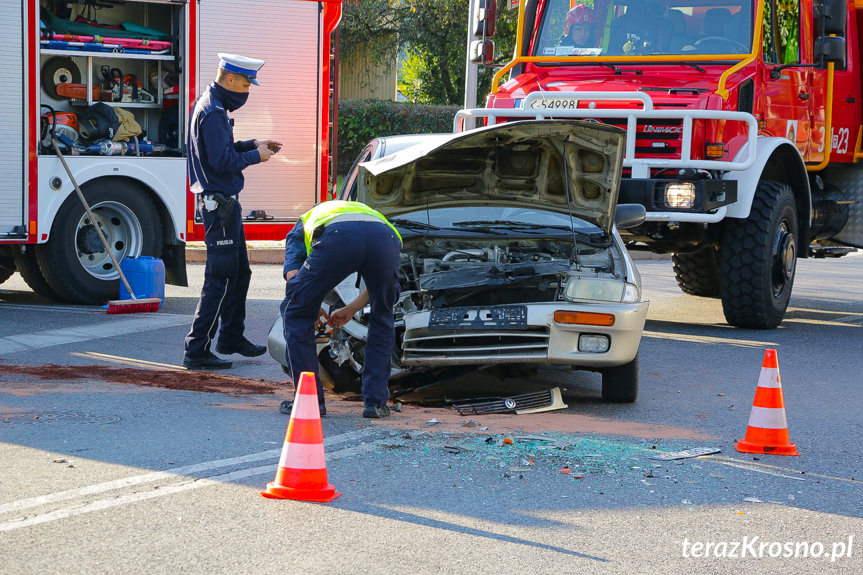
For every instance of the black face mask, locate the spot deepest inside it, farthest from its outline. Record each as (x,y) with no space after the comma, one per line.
(231,100)
(234,100)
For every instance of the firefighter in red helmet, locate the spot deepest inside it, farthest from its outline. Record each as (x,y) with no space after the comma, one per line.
(579,28)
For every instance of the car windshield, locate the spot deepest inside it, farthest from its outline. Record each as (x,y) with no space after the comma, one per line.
(645,27)
(497,219)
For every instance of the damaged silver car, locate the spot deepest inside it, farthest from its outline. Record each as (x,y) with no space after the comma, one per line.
(511,255)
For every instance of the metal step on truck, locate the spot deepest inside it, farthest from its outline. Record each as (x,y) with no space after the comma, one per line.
(148,58)
(744,127)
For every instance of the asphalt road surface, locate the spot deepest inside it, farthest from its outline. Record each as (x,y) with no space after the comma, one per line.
(113,459)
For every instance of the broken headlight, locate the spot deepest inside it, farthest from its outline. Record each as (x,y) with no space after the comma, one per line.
(601,289)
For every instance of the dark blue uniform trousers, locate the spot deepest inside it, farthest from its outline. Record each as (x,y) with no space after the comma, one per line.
(226,283)
(371,249)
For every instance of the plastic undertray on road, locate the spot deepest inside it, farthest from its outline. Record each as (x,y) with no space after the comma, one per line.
(534,402)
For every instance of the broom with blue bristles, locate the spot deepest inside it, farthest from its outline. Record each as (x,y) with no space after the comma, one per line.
(134,305)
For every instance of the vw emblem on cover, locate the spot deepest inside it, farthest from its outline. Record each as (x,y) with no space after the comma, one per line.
(509,403)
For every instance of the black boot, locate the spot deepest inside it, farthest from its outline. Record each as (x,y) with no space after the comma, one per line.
(209,361)
(288,405)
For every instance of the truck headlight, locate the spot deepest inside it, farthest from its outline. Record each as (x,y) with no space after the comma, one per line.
(680,195)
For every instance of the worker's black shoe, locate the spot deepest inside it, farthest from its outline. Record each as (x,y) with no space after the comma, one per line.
(209,361)
(288,405)
(245,347)
(376,412)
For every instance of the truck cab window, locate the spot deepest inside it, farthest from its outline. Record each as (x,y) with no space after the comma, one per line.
(781,28)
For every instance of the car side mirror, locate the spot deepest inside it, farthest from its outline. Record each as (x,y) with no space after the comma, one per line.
(629,215)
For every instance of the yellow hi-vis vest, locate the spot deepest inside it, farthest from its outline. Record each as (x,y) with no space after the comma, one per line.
(322,213)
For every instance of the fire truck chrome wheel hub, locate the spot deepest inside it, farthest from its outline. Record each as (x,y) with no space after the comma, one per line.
(120,227)
(784,259)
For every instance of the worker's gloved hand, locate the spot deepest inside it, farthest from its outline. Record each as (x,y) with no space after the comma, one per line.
(225,211)
(321,322)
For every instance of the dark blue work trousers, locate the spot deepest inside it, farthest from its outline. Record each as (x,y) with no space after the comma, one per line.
(371,249)
(226,283)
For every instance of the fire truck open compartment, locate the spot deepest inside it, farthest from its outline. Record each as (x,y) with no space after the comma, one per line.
(137,68)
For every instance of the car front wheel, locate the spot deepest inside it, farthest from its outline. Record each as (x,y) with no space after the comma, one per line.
(620,383)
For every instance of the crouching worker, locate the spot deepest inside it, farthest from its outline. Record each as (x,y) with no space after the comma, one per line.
(329,242)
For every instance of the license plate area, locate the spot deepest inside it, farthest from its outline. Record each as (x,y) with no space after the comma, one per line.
(513,317)
(554,103)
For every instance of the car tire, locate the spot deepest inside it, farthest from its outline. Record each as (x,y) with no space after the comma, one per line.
(27,264)
(339,378)
(71,259)
(758,259)
(698,273)
(620,383)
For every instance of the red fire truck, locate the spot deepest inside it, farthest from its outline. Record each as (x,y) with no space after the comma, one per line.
(63,58)
(743,120)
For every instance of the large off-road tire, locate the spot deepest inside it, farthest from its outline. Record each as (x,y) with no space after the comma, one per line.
(74,259)
(697,273)
(27,265)
(6,273)
(7,268)
(620,383)
(758,259)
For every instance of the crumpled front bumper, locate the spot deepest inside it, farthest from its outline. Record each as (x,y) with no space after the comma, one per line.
(543,342)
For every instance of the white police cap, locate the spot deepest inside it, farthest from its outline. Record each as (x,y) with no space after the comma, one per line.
(248,67)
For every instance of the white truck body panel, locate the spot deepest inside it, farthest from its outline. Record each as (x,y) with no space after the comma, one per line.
(13,112)
(164,176)
(278,109)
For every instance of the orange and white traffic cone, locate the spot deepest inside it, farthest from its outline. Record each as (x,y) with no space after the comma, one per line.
(302,473)
(768,428)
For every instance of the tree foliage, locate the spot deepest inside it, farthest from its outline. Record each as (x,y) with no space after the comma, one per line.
(432,38)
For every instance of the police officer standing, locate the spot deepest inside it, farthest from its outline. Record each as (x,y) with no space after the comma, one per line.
(329,242)
(216,163)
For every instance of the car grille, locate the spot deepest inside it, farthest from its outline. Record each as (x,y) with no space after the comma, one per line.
(526,403)
(483,346)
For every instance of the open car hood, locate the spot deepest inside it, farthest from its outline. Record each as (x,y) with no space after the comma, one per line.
(557,165)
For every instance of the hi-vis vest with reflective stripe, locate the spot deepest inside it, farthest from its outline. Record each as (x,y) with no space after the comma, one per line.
(326,211)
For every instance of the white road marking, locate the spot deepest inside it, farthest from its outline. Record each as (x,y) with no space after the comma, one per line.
(173,473)
(142,363)
(55,308)
(709,339)
(192,483)
(108,328)
(750,468)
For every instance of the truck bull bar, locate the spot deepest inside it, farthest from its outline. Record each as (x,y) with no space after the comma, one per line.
(640,167)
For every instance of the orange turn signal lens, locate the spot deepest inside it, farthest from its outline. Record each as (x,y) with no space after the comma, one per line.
(584,318)
(714,151)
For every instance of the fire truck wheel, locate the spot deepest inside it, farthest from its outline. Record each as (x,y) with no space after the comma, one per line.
(697,273)
(620,383)
(74,259)
(758,258)
(28,266)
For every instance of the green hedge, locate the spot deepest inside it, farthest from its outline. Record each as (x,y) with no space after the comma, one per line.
(364,120)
